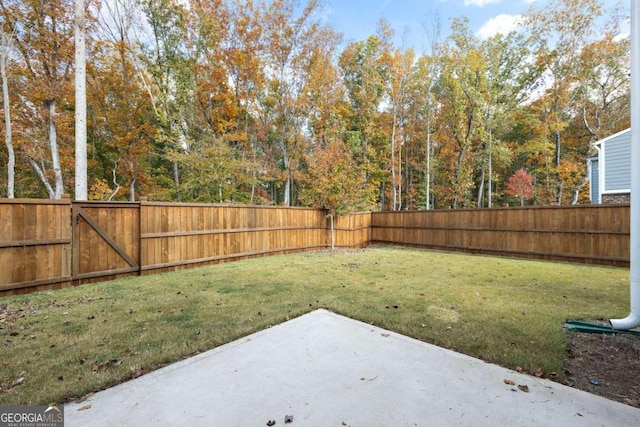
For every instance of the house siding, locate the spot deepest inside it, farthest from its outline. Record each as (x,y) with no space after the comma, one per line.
(618,163)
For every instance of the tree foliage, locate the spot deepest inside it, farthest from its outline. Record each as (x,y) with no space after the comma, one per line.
(520,185)
(263,103)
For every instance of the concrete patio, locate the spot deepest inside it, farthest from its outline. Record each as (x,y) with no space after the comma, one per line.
(328,370)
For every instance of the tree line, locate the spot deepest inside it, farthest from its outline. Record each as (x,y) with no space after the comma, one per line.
(242,101)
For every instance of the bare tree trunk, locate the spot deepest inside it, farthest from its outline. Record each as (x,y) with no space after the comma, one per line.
(393,161)
(557,164)
(55,156)
(11,163)
(43,178)
(428,174)
(81,103)
(481,188)
(287,179)
(132,190)
(115,180)
(490,178)
(287,188)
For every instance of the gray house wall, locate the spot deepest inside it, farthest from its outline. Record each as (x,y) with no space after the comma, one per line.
(610,169)
(618,163)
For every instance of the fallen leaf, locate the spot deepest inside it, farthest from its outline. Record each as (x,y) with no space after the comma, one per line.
(509,382)
(271,423)
(288,419)
(539,373)
(553,375)
(127,352)
(18,382)
(138,372)
(287,318)
(85,407)
(632,402)
(518,369)
(524,388)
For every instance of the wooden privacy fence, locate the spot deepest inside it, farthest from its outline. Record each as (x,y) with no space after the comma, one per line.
(592,234)
(35,244)
(46,244)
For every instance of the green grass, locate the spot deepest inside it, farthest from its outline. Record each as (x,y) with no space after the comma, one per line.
(71,342)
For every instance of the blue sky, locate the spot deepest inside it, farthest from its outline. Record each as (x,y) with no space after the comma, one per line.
(357,19)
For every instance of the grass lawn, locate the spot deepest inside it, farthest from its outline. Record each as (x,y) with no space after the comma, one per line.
(60,345)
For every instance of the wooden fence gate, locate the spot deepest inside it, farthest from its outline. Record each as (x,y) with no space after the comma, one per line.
(106,240)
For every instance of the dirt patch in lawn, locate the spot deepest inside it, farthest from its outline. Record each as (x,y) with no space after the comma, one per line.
(606,365)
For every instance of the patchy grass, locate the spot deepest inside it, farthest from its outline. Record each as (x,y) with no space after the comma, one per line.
(61,345)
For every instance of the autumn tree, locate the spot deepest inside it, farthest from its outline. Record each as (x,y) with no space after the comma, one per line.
(365,70)
(121,119)
(242,59)
(43,39)
(429,69)
(559,32)
(520,185)
(290,40)
(400,68)
(170,86)
(602,100)
(509,80)
(462,89)
(333,182)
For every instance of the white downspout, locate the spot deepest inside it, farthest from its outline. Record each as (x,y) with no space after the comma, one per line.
(601,163)
(633,319)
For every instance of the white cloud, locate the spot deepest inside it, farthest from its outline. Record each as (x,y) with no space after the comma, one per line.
(621,36)
(501,24)
(480,3)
